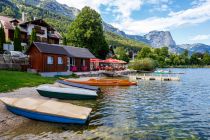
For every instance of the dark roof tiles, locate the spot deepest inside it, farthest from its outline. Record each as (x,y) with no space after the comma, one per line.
(64,50)
(49,48)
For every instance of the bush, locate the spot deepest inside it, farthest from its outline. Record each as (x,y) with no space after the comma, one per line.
(146,64)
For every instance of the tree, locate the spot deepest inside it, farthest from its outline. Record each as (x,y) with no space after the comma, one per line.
(87,31)
(2,38)
(196,58)
(206,58)
(33,36)
(121,54)
(17,41)
(64,40)
(164,51)
(146,64)
(145,52)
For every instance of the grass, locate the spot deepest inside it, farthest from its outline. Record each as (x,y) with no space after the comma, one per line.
(10,80)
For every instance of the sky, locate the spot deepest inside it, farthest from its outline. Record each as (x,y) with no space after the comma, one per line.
(187,20)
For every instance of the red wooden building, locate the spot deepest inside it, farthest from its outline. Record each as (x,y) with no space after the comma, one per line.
(47,58)
(57,58)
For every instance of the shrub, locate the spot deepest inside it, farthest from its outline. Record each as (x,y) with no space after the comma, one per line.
(146,64)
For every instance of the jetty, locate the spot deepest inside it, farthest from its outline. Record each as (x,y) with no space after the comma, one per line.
(157,77)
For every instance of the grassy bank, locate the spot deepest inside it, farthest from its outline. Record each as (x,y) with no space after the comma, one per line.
(10,80)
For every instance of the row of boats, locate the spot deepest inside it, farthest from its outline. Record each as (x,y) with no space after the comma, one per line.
(56,111)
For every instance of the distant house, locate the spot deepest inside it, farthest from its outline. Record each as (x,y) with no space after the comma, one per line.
(57,58)
(45,32)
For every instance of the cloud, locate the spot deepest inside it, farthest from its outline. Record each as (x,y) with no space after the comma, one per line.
(200,37)
(123,8)
(191,16)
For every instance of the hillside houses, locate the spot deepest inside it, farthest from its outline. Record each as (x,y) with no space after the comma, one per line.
(46,55)
(45,32)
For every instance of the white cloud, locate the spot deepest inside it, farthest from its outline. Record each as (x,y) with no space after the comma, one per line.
(191,16)
(122,11)
(124,8)
(200,37)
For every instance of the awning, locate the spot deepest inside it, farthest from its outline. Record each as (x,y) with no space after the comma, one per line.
(95,60)
(114,61)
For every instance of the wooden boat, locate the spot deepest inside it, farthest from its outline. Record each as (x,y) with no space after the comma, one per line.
(104,82)
(47,110)
(78,85)
(66,93)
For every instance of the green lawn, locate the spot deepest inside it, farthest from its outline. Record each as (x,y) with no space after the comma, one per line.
(10,80)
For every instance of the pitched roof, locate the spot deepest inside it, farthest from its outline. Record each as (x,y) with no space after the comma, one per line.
(70,51)
(7,23)
(78,52)
(50,48)
(40,22)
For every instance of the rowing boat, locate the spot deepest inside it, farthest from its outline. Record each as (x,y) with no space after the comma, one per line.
(78,85)
(66,93)
(104,82)
(47,110)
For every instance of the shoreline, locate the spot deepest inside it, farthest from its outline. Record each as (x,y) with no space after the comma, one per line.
(10,121)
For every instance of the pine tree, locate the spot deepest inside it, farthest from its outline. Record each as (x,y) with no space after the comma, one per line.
(87,31)
(17,41)
(64,40)
(2,38)
(33,37)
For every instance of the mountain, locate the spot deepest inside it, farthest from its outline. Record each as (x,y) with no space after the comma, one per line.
(197,47)
(157,39)
(53,6)
(60,16)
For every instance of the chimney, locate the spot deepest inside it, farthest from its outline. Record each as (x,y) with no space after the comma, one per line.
(23,17)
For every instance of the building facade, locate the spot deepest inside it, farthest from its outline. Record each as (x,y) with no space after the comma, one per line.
(58,58)
(45,32)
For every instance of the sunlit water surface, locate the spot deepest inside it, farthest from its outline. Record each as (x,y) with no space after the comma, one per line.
(151,110)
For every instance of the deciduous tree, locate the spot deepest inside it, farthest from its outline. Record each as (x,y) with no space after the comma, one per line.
(87,31)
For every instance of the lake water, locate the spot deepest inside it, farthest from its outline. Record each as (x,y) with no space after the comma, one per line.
(151,110)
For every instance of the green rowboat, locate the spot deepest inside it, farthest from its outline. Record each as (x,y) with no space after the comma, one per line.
(66,93)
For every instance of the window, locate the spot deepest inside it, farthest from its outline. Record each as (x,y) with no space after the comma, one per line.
(72,61)
(49,60)
(82,62)
(60,60)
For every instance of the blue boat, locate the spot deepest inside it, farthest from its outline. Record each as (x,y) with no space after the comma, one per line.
(47,110)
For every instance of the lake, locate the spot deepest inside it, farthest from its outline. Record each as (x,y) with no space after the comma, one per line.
(151,110)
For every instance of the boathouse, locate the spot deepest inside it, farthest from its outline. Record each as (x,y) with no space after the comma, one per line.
(45,57)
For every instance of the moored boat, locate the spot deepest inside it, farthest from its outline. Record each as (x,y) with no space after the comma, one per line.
(78,85)
(162,71)
(104,82)
(47,110)
(66,93)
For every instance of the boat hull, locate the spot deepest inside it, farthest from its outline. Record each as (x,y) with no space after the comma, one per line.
(43,116)
(65,96)
(104,82)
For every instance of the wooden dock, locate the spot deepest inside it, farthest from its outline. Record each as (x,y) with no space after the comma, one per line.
(156,77)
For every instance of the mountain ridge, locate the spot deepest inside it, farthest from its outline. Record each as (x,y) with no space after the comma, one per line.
(155,39)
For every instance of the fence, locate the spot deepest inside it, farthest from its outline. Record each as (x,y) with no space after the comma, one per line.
(9,63)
